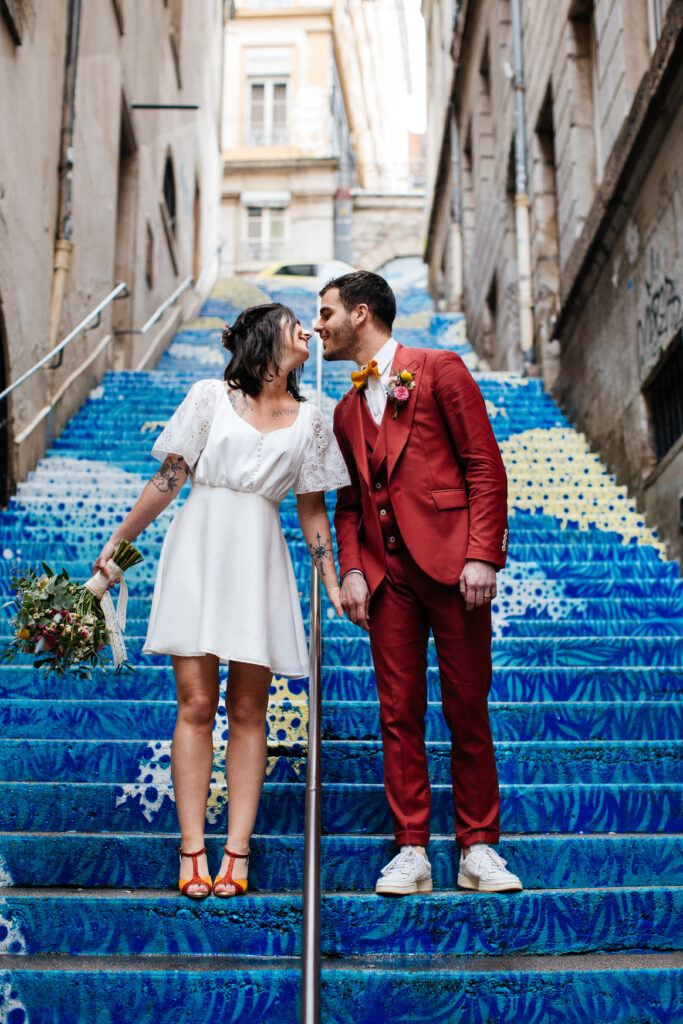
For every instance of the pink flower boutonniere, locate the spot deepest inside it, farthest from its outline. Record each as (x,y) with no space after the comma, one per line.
(399,386)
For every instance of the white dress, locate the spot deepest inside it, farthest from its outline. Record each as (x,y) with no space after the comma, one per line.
(225,583)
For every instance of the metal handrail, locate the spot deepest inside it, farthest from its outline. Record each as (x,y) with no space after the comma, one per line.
(120,289)
(187,283)
(310,955)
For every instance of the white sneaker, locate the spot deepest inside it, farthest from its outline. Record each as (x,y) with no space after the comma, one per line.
(484,870)
(408,872)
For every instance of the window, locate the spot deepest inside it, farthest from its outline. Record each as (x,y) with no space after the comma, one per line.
(267,112)
(297,270)
(169,194)
(149,257)
(265,233)
(664,395)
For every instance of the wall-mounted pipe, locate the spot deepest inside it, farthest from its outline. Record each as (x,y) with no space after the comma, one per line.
(522,213)
(455,290)
(63,243)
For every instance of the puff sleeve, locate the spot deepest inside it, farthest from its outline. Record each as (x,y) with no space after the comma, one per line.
(323,467)
(187,431)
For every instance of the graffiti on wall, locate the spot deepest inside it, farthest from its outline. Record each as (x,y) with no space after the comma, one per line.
(662,316)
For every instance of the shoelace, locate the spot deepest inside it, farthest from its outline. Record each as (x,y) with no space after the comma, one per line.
(400,861)
(492,856)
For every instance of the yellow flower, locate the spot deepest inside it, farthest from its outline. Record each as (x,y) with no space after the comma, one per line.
(406,376)
(23,633)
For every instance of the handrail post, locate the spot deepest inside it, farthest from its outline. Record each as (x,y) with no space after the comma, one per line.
(310,973)
(310,952)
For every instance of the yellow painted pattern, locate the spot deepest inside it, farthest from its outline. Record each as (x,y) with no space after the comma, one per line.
(205,323)
(240,293)
(414,320)
(552,471)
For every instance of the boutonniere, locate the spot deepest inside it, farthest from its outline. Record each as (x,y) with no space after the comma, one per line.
(399,386)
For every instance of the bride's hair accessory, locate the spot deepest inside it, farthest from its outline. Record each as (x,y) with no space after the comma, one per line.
(226,335)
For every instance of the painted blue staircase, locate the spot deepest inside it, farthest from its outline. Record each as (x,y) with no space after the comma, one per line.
(587,713)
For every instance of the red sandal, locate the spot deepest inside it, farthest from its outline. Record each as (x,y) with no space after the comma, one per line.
(185,883)
(240,884)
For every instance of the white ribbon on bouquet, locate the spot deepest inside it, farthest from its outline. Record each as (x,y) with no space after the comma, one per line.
(115,618)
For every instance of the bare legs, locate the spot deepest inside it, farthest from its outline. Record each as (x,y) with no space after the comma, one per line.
(192,751)
(246,704)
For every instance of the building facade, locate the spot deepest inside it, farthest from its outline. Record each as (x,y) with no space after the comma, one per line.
(555,202)
(309,126)
(109,172)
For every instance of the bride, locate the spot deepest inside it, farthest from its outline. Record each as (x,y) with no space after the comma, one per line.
(225,589)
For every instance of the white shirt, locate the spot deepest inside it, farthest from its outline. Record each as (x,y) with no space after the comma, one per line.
(375,391)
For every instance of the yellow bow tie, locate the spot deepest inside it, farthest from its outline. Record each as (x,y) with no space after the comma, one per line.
(360,377)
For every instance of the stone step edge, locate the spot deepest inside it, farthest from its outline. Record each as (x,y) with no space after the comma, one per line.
(91,895)
(374,837)
(120,963)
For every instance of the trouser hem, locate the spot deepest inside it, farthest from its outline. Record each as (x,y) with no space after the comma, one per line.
(411,837)
(483,836)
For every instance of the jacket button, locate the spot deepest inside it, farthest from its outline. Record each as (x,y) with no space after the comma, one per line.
(392,540)
(378,486)
(382,511)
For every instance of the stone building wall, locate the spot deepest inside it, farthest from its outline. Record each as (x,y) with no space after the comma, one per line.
(624,321)
(386,226)
(603,152)
(158,52)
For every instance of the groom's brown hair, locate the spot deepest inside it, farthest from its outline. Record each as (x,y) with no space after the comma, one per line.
(368,288)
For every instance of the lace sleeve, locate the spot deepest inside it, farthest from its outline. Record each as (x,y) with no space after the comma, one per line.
(323,467)
(187,431)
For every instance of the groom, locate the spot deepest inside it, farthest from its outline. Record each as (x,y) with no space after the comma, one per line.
(421,531)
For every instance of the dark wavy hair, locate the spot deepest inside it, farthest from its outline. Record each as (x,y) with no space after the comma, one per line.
(371,289)
(255,344)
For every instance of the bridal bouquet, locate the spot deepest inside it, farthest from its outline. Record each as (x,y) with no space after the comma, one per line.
(66,625)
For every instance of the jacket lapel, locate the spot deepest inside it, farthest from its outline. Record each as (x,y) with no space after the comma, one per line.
(398,430)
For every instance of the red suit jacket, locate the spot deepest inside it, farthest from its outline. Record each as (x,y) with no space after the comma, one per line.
(447,482)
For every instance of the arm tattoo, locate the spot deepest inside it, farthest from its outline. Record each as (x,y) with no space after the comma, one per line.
(321,551)
(239,401)
(284,412)
(172,473)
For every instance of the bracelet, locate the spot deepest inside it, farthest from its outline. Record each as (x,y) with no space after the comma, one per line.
(335,588)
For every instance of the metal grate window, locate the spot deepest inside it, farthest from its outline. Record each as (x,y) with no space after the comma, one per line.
(665,398)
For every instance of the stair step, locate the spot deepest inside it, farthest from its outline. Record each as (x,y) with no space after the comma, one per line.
(347,807)
(158,922)
(141,719)
(532,684)
(347,761)
(348,862)
(620,988)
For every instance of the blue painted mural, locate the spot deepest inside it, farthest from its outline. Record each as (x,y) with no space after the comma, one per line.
(586,710)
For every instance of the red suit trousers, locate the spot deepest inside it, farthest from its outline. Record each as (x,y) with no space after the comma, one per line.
(404,608)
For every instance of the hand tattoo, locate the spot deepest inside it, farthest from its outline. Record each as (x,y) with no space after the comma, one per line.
(321,551)
(172,474)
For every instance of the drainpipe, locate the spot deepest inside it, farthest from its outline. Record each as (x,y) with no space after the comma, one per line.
(456,283)
(522,215)
(63,243)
